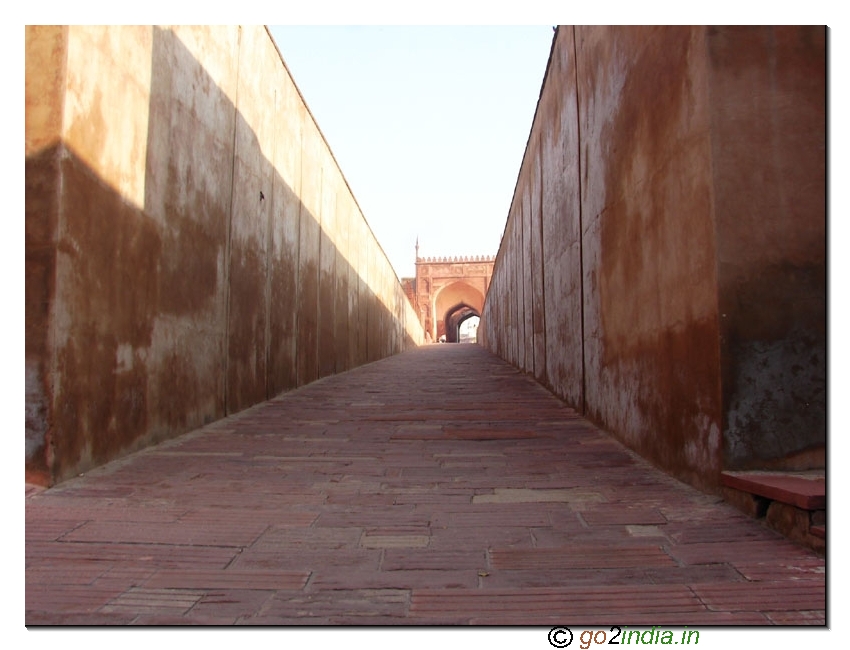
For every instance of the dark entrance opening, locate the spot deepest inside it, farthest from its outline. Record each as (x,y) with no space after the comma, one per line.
(455,317)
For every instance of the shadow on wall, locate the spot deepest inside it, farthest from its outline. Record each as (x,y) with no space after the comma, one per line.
(224,290)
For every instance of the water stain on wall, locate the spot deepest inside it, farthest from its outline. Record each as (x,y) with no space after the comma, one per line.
(145,321)
(657,301)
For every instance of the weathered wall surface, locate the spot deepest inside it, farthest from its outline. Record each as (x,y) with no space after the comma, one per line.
(663,263)
(192,247)
(769,164)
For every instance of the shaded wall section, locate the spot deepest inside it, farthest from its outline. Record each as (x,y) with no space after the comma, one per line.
(769,168)
(663,263)
(192,247)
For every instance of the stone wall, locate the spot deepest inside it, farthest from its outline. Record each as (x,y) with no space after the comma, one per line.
(663,263)
(192,247)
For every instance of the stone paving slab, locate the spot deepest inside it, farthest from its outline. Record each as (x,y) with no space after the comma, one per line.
(440,486)
(806,492)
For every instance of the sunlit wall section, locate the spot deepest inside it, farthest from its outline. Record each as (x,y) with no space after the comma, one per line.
(189,240)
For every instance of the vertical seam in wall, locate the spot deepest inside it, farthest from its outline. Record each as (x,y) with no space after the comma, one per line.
(319,274)
(228,247)
(580,229)
(295,356)
(367,282)
(270,250)
(52,364)
(542,269)
(517,252)
(708,76)
(526,254)
(521,287)
(529,336)
(522,364)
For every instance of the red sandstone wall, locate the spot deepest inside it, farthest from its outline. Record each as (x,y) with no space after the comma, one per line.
(680,248)
(192,246)
(768,110)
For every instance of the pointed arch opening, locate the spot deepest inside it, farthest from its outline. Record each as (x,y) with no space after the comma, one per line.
(455,304)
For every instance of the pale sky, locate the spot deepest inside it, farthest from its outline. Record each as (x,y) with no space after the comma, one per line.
(428,124)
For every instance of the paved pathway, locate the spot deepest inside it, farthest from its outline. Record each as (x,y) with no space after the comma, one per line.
(439,486)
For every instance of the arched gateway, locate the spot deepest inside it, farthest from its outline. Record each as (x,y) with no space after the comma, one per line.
(447,291)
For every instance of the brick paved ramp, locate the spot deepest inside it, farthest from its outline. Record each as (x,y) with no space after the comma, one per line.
(439,486)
